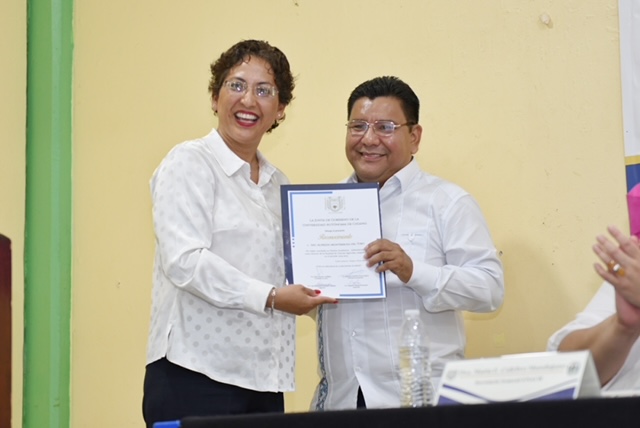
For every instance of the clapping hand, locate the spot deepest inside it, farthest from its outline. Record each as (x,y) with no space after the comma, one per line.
(621,268)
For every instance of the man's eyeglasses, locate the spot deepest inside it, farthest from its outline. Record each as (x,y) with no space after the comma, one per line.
(383,128)
(263,90)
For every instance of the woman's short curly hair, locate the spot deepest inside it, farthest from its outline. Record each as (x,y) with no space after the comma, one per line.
(243,51)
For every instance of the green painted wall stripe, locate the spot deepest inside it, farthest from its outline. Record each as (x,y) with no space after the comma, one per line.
(48,231)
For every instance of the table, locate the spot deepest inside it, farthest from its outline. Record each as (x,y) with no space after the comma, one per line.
(582,413)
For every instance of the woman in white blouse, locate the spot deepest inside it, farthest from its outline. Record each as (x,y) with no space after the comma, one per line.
(222,335)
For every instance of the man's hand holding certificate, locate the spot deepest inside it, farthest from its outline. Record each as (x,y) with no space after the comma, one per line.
(326,229)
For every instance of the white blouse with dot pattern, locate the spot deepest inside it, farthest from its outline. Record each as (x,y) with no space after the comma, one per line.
(218,254)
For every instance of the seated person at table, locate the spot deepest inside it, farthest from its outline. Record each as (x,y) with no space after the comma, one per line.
(609,326)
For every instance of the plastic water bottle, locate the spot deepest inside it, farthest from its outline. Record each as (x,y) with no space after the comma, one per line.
(415,368)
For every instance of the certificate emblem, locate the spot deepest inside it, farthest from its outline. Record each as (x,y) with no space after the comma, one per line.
(334,204)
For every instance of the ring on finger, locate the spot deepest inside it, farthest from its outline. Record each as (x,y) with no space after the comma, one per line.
(615,268)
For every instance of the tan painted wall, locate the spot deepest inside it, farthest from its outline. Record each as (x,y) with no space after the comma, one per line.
(525,116)
(13,83)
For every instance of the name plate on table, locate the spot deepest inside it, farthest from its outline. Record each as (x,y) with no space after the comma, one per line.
(519,377)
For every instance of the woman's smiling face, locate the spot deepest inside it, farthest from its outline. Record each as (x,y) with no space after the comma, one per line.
(244,117)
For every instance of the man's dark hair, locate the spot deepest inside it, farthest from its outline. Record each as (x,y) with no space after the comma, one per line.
(388,86)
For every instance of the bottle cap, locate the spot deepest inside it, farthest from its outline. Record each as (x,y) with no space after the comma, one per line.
(411,312)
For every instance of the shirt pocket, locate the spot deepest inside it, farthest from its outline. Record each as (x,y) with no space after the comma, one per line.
(414,243)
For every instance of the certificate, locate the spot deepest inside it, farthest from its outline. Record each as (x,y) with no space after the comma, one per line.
(325,229)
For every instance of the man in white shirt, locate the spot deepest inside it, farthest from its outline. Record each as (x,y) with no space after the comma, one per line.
(436,252)
(610,324)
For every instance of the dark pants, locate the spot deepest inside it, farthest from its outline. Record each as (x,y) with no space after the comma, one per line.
(361,404)
(172,392)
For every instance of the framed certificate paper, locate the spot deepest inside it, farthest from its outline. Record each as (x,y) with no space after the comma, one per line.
(325,229)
